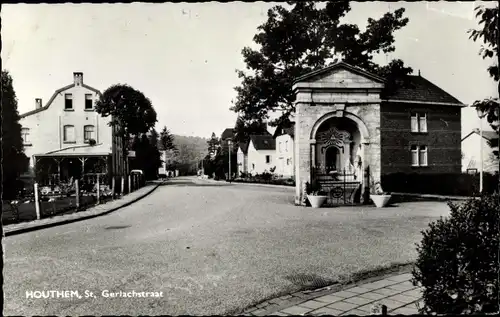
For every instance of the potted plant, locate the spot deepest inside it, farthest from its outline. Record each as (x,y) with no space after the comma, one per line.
(315,194)
(378,196)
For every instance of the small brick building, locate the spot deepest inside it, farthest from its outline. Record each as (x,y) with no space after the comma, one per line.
(346,133)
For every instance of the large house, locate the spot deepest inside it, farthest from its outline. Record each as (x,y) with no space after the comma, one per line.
(349,133)
(472,145)
(68,138)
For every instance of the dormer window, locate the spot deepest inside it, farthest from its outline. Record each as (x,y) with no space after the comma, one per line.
(68,102)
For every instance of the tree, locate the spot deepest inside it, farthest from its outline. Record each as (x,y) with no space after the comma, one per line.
(14,161)
(213,145)
(129,109)
(243,130)
(489,50)
(305,38)
(166,139)
(154,154)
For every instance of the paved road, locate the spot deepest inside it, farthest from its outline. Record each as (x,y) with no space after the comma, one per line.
(209,248)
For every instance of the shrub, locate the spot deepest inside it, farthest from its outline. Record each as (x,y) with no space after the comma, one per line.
(457,260)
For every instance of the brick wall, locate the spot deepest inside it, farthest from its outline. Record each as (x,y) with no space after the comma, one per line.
(443,138)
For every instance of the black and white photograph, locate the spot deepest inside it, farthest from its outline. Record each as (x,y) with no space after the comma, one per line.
(250,158)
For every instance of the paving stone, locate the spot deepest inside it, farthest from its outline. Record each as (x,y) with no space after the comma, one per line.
(279,314)
(356,312)
(417,293)
(358,300)
(344,294)
(366,308)
(372,295)
(258,312)
(402,298)
(313,304)
(379,284)
(358,290)
(402,287)
(329,299)
(343,306)
(405,311)
(401,277)
(326,311)
(296,310)
(386,291)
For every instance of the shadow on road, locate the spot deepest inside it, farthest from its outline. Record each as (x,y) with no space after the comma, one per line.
(188,183)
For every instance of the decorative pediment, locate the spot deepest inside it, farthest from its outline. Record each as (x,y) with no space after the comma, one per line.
(333,136)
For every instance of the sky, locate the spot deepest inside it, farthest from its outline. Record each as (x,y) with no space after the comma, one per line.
(183,56)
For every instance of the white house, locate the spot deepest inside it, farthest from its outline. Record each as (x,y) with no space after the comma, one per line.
(68,135)
(471,152)
(285,163)
(261,154)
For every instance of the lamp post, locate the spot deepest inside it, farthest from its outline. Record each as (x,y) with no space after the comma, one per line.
(481,114)
(229,175)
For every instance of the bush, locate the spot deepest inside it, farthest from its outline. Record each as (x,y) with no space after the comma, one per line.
(457,260)
(455,184)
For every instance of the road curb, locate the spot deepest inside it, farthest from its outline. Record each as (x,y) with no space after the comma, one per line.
(248,184)
(286,300)
(68,221)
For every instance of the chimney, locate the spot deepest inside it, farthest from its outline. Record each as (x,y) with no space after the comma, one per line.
(38,103)
(78,78)
(419,73)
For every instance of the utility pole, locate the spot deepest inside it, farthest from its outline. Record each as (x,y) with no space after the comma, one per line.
(229,143)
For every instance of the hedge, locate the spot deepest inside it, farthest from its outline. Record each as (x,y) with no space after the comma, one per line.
(455,184)
(284,182)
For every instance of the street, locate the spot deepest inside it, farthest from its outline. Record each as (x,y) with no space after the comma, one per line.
(210,248)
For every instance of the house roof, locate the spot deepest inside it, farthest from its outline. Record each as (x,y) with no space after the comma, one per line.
(244,146)
(263,142)
(227,134)
(289,129)
(488,135)
(340,64)
(421,89)
(58,91)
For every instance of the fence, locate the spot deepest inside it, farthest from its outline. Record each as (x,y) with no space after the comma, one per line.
(44,201)
(342,187)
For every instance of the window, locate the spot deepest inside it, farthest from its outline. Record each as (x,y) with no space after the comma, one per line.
(88,102)
(69,134)
(288,161)
(68,102)
(280,147)
(268,159)
(418,122)
(88,133)
(253,166)
(419,155)
(286,146)
(25,133)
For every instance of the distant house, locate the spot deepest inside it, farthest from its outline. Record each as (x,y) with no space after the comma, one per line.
(285,162)
(261,154)
(471,151)
(242,158)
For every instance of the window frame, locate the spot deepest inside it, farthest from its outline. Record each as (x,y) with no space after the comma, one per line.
(65,140)
(416,119)
(417,151)
(25,132)
(70,101)
(91,99)
(85,139)
(268,159)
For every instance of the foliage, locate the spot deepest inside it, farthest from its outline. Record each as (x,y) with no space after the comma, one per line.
(167,140)
(314,189)
(457,260)
(14,161)
(301,38)
(489,34)
(243,129)
(131,112)
(257,180)
(454,184)
(147,156)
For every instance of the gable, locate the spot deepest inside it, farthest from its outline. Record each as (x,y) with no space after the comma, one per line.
(341,73)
